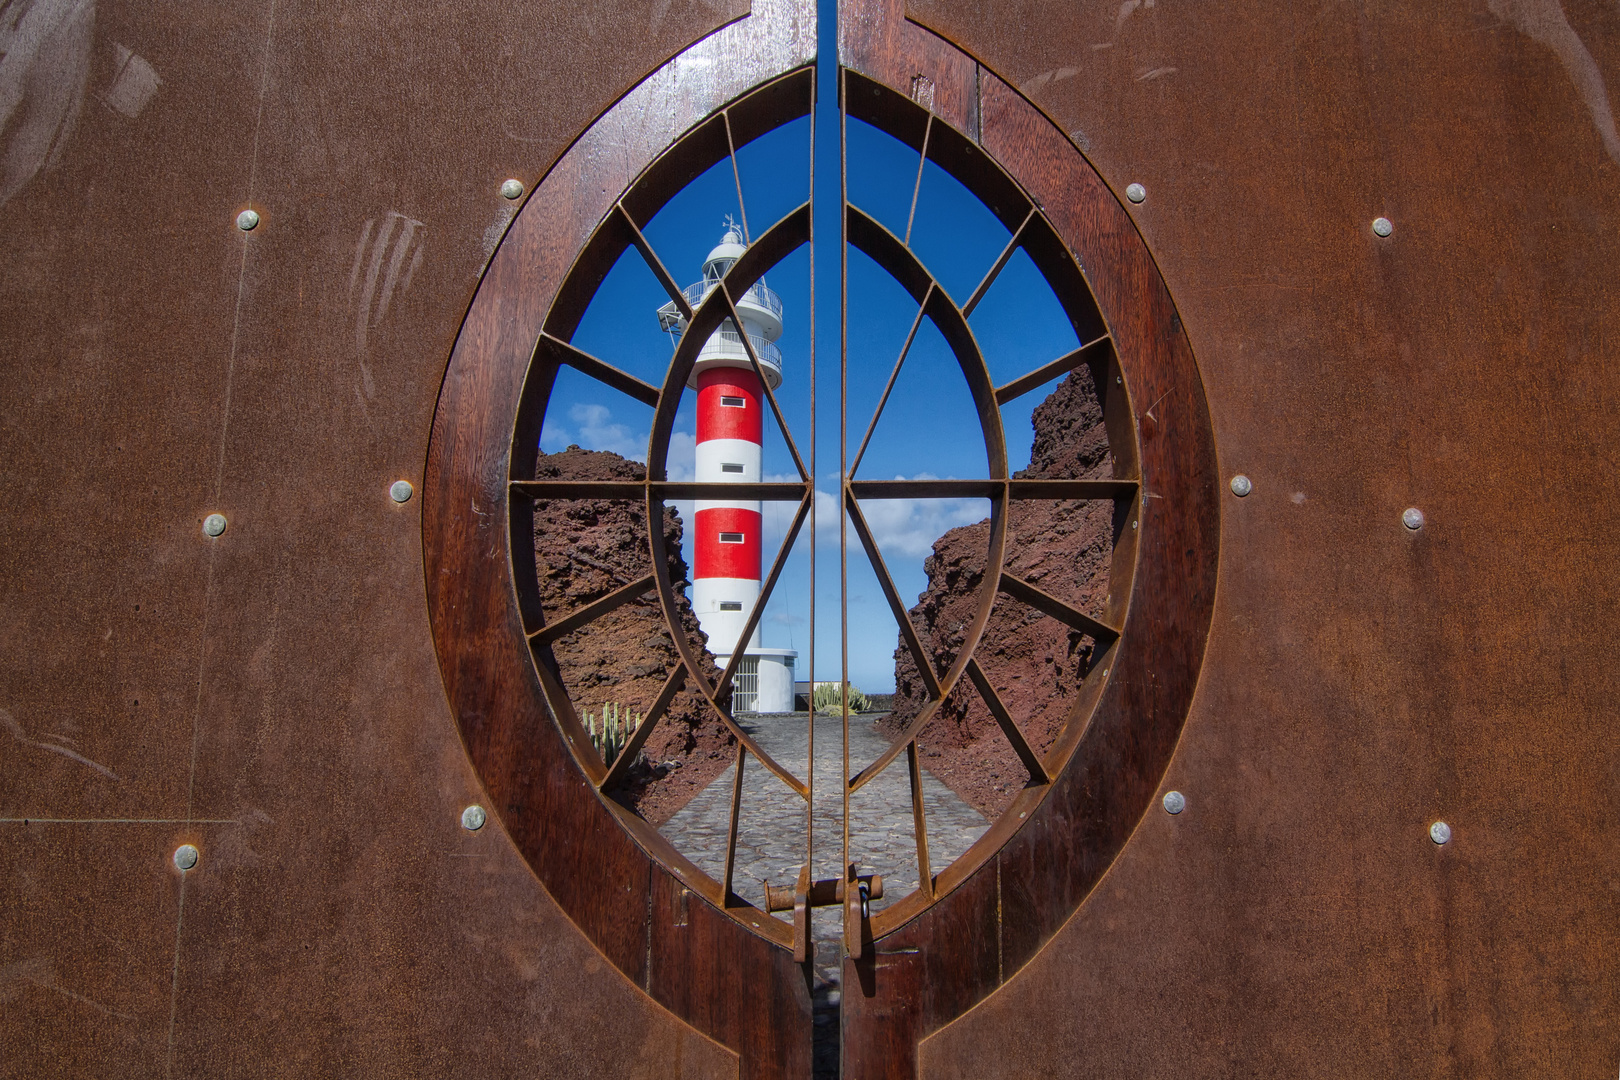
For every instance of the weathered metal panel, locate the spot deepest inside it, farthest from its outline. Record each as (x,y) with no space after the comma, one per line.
(942,962)
(271,696)
(727,980)
(1362,680)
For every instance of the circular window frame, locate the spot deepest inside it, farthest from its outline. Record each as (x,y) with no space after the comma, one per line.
(1037,864)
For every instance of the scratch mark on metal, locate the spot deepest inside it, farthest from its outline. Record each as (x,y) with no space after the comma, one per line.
(1544,21)
(44,66)
(10,723)
(393,243)
(1029,88)
(38,971)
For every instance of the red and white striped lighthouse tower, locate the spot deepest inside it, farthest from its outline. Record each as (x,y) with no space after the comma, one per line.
(730,424)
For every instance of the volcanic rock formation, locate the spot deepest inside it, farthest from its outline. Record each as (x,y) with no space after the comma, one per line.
(585,549)
(1034,662)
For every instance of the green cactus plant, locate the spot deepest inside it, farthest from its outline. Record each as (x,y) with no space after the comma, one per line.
(610,732)
(826,699)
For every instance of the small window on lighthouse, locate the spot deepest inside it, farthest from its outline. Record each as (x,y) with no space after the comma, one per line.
(734,402)
(730,605)
(731,538)
(730,466)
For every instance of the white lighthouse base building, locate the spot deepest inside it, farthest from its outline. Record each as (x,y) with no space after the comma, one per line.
(764,681)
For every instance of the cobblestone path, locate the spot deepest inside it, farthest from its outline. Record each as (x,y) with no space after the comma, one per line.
(770,832)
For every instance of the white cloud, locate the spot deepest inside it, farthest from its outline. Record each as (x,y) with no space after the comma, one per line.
(592,427)
(682,457)
(554,438)
(903,528)
(908,527)
(598,431)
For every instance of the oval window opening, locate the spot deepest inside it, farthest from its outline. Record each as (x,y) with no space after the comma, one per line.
(832,567)
(964,615)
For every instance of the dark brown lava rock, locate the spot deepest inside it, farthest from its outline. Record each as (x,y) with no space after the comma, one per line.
(1034,662)
(585,549)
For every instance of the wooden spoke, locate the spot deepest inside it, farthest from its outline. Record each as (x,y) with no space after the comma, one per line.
(797,786)
(787,491)
(654,264)
(1047,604)
(919,819)
(916,189)
(765,591)
(664,489)
(926,489)
(580,489)
(594,610)
(911,336)
(562,707)
(996,267)
(1071,489)
(666,597)
(1015,735)
(925,668)
(627,757)
(759,372)
(1061,366)
(989,489)
(731,833)
(600,370)
(736,175)
(907,736)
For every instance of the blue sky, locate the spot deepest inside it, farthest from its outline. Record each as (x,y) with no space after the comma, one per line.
(928,429)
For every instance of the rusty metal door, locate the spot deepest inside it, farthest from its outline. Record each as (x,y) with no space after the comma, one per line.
(689,939)
(234,786)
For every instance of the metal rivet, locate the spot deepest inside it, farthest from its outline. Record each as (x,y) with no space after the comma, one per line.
(1241,485)
(1174,802)
(1133,524)
(1119,380)
(185,856)
(512,189)
(214,524)
(401,491)
(1412,518)
(1440,832)
(473,818)
(1105,673)
(1135,192)
(1382,226)
(247,220)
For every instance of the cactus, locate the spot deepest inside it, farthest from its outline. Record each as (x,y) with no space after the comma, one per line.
(825,699)
(611,732)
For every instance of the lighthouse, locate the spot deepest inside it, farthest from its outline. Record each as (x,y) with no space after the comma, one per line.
(726,533)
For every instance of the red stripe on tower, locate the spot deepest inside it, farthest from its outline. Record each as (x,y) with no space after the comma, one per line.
(728,405)
(725,543)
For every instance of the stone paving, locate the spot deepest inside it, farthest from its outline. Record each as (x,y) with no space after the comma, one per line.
(771,825)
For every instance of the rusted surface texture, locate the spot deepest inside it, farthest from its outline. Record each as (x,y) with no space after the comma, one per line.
(1362,680)
(1059,842)
(725,979)
(271,696)
(89,942)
